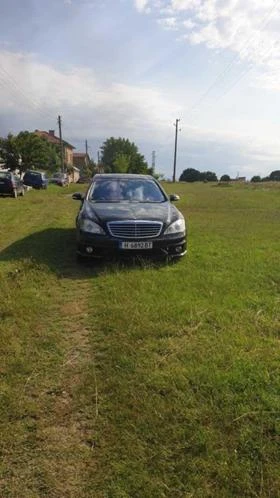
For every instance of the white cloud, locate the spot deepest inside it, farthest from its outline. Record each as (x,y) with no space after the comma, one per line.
(41,91)
(168,23)
(248,28)
(185,4)
(189,24)
(141,5)
(33,94)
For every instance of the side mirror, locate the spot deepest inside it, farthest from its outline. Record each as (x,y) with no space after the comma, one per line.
(77,196)
(174,197)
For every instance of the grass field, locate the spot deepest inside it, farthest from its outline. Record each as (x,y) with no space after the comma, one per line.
(141,380)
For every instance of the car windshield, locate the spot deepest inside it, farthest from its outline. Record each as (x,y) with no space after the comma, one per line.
(125,190)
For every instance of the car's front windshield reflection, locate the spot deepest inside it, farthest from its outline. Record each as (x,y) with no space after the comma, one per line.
(125,190)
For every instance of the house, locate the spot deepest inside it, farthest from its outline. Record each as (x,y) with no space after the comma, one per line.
(53,139)
(239,179)
(81,160)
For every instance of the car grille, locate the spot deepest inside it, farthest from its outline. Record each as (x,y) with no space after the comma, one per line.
(134,229)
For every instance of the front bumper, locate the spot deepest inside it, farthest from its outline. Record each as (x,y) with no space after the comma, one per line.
(103,246)
(7,191)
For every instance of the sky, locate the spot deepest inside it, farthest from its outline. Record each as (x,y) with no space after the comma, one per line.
(130,68)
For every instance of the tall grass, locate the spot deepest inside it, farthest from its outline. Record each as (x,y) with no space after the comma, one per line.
(142,380)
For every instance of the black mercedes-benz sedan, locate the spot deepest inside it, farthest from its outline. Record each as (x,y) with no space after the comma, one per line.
(128,214)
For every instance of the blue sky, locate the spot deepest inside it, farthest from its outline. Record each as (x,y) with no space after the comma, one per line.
(131,67)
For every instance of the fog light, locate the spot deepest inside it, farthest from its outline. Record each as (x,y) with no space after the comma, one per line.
(89,250)
(178,249)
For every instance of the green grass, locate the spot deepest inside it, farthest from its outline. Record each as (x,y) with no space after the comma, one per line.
(141,380)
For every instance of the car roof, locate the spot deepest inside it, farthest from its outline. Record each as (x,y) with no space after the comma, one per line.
(128,176)
(33,171)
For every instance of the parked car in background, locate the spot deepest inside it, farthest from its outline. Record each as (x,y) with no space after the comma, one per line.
(84,179)
(129,214)
(60,179)
(35,179)
(10,184)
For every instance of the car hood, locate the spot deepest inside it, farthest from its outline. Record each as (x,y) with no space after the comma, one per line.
(120,211)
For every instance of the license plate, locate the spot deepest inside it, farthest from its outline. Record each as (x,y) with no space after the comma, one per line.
(136,245)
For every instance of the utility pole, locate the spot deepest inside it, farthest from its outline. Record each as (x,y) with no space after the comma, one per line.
(153,160)
(86,147)
(175,150)
(61,145)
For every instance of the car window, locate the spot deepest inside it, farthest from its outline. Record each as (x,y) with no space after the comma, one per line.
(5,174)
(117,190)
(33,174)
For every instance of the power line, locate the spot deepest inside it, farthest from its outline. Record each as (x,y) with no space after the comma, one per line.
(242,74)
(226,70)
(153,160)
(9,79)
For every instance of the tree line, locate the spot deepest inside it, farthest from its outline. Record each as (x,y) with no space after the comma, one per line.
(27,150)
(273,177)
(193,175)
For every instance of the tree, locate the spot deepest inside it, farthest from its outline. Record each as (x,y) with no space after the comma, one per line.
(225,178)
(193,175)
(122,163)
(190,175)
(119,155)
(90,169)
(36,152)
(256,179)
(208,176)
(9,152)
(28,150)
(275,176)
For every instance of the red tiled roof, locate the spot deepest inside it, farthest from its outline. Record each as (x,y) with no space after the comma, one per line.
(52,138)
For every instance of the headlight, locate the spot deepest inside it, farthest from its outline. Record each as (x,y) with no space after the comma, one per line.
(91,227)
(177,226)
